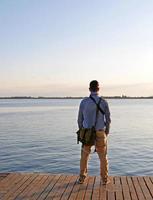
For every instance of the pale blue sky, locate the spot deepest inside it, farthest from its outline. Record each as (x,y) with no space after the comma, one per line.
(54,48)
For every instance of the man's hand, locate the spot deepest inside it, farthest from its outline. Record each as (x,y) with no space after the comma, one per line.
(106,133)
(107,130)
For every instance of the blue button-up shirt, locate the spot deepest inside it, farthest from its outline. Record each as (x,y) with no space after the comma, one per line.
(87,113)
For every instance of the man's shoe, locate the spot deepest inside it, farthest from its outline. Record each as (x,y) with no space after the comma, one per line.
(105,181)
(81,179)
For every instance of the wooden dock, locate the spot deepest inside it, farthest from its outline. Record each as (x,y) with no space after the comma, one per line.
(25,186)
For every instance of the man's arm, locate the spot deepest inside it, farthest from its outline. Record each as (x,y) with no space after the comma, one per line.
(80,116)
(107,118)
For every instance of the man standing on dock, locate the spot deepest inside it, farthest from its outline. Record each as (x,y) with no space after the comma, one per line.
(86,120)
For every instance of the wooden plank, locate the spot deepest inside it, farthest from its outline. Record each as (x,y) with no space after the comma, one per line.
(39,187)
(62,188)
(8,186)
(119,193)
(30,178)
(96,189)
(69,188)
(110,188)
(149,183)
(102,192)
(144,188)
(151,178)
(89,190)
(138,188)
(53,179)
(125,188)
(26,193)
(35,187)
(3,175)
(82,190)
(75,190)
(15,187)
(5,182)
(132,189)
(56,187)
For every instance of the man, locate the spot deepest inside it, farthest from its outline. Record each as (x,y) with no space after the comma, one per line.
(86,119)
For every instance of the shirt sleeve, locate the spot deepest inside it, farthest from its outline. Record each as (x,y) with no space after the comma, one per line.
(80,116)
(107,117)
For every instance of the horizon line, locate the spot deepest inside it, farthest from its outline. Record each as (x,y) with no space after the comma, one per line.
(76,97)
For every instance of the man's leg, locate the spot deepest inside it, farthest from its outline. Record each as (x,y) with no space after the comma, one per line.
(85,151)
(101,148)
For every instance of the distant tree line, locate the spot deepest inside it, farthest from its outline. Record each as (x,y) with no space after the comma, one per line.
(69,97)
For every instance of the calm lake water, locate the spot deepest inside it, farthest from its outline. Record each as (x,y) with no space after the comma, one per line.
(39,136)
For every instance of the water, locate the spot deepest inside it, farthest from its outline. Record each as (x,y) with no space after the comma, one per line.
(38,135)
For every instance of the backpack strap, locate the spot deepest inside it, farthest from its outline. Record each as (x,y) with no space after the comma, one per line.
(97,111)
(98,106)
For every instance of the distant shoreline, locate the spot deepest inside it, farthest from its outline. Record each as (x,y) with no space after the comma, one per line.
(106,97)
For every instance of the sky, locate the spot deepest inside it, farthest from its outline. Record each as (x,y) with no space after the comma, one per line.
(55,48)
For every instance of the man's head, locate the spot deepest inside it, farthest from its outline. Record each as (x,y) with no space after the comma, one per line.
(94,86)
